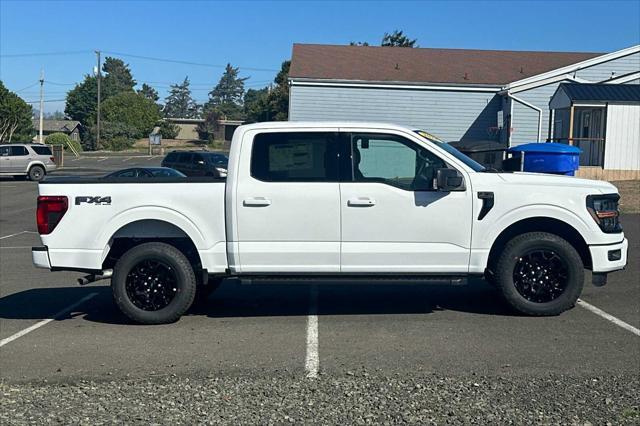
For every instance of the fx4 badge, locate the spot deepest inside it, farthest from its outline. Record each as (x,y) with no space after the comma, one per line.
(99,201)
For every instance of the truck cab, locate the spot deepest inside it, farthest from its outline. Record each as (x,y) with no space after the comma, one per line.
(335,200)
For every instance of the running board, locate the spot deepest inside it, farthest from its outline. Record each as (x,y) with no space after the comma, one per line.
(456,280)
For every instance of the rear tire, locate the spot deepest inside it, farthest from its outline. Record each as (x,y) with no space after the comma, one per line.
(153,283)
(540,274)
(36,173)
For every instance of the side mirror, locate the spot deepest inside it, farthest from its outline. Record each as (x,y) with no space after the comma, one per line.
(448,180)
(200,162)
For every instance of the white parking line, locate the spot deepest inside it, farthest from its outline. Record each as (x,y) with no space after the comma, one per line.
(312,361)
(608,317)
(18,233)
(127,159)
(16,247)
(102,159)
(39,324)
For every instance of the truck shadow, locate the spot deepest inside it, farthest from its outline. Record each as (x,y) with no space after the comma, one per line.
(233,300)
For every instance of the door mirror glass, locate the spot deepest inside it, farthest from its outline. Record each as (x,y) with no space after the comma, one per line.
(448,180)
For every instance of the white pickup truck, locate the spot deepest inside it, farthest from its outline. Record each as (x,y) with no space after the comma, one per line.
(333,201)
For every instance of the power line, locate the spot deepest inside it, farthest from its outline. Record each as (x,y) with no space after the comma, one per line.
(47,100)
(176,61)
(28,87)
(22,55)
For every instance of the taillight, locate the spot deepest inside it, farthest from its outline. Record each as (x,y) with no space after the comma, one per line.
(53,159)
(50,211)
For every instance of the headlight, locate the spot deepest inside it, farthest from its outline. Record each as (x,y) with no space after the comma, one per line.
(604,210)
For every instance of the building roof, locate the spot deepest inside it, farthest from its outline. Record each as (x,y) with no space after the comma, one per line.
(601,92)
(420,65)
(64,126)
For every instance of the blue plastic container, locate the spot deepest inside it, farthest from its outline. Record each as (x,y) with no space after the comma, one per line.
(555,158)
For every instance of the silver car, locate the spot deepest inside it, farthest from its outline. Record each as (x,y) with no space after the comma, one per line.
(26,160)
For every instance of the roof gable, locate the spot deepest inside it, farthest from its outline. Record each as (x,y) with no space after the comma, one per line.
(420,65)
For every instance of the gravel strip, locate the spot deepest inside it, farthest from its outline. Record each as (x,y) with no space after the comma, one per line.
(356,398)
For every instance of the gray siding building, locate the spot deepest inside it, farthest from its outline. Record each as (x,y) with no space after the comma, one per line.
(456,94)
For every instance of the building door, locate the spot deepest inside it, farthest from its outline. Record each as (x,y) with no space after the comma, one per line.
(392,218)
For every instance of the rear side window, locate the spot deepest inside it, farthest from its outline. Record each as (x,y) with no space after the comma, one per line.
(295,157)
(171,157)
(184,157)
(18,150)
(42,150)
(4,151)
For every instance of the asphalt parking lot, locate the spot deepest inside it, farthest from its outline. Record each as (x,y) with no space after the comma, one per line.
(338,336)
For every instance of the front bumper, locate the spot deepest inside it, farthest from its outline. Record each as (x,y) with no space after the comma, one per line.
(40,257)
(604,258)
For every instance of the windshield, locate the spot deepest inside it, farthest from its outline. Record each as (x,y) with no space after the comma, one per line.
(474,165)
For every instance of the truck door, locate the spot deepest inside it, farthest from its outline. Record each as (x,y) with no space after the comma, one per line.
(288,203)
(392,218)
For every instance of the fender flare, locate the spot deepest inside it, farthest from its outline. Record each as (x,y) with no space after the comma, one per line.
(162,214)
(529,212)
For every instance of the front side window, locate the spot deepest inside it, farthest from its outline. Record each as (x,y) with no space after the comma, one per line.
(19,151)
(393,160)
(295,157)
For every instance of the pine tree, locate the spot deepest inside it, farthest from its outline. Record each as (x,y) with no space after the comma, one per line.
(227,96)
(179,103)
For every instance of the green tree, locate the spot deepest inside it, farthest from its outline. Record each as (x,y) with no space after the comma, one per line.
(211,125)
(83,98)
(15,117)
(227,96)
(168,130)
(256,105)
(56,115)
(179,103)
(149,92)
(118,77)
(64,140)
(279,96)
(132,109)
(358,43)
(398,39)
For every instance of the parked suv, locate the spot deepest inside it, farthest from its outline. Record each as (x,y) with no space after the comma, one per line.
(26,160)
(197,163)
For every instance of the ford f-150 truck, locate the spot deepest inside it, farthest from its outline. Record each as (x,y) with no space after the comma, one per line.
(333,201)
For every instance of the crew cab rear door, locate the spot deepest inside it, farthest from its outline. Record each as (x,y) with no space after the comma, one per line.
(287,203)
(393,220)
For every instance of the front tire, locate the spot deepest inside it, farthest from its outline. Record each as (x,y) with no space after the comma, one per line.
(153,283)
(36,173)
(540,274)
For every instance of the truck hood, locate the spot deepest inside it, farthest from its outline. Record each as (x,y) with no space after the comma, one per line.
(540,179)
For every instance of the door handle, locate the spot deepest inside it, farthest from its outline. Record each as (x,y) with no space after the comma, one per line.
(256,202)
(361,202)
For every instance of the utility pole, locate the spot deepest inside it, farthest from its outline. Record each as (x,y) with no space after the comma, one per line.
(98,108)
(40,136)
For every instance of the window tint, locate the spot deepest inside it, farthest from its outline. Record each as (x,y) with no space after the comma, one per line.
(184,157)
(218,159)
(197,157)
(41,150)
(18,150)
(4,151)
(393,160)
(295,157)
(171,157)
(127,173)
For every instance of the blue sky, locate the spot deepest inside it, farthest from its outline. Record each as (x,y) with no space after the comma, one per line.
(260,34)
